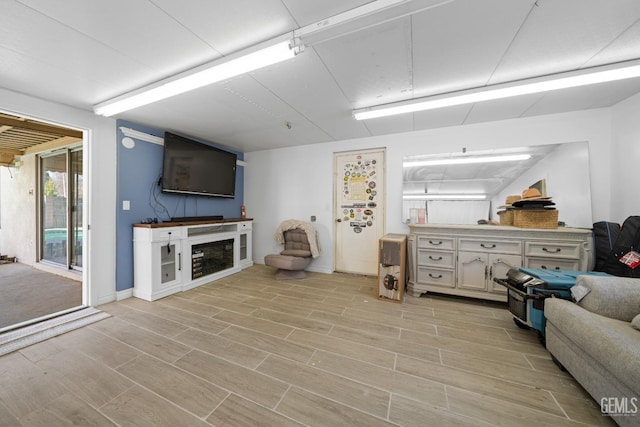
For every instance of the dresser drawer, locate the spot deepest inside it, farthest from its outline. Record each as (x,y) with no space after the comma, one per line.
(491,245)
(553,249)
(244,226)
(553,263)
(436,242)
(444,259)
(434,276)
(168,233)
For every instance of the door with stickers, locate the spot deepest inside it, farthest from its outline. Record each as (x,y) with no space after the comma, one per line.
(359,210)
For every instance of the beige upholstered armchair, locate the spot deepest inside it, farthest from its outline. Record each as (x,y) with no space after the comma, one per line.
(300,247)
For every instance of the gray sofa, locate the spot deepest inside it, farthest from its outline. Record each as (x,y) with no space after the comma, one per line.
(596,342)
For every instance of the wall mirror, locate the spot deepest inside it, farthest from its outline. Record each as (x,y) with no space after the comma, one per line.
(462,188)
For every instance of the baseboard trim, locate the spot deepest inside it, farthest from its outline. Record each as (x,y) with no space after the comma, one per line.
(312,268)
(320,270)
(127,293)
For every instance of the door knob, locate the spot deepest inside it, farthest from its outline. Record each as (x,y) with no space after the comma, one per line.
(338,220)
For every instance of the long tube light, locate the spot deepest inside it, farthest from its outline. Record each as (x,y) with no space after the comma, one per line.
(467,160)
(594,75)
(204,75)
(435,196)
(360,18)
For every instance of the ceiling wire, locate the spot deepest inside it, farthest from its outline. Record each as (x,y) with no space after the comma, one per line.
(515,37)
(290,14)
(504,55)
(411,64)
(174,19)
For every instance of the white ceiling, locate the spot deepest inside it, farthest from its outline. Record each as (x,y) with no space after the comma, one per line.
(82,52)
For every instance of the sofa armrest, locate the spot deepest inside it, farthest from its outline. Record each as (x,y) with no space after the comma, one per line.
(611,296)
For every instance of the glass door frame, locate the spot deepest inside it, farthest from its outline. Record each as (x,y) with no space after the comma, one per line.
(75,211)
(72,191)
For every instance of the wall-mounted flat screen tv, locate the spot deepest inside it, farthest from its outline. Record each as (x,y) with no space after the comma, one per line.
(192,167)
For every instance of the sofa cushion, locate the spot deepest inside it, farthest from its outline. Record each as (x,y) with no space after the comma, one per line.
(285,262)
(296,252)
(613,343)
(296,239)
(611,296)
(636,322)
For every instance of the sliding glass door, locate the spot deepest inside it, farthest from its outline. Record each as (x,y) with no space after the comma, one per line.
(61,208)
(76,209)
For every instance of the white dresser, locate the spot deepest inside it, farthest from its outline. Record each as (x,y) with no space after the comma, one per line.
(464,259)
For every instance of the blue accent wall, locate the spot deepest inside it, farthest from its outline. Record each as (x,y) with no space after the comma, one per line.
(138,172)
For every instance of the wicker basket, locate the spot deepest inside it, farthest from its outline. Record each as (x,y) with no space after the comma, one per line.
(506,217)
(535,218)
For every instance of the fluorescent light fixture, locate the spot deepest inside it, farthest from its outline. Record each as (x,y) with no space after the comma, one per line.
(360,18)
(445,197)
(268,53)
(204,75)
(467,160)
(589,76)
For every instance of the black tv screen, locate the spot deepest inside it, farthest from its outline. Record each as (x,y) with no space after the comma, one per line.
(192,167)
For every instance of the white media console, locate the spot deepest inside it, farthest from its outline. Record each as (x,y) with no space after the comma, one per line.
(173,257)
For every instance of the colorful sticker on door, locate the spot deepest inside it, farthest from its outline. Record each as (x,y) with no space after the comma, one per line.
(359,193)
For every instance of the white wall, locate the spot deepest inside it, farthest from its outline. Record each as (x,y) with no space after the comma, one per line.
(100,201)
(297,182)
(566,172)
(626,160)
(18,211)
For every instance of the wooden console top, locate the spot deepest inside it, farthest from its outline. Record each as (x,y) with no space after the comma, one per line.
(187,223)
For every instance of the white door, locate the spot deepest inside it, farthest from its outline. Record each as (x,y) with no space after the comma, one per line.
(359,210)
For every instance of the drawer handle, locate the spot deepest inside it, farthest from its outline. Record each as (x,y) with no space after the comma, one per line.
(545,267)
(439,276)
(431,242)
(555,251)
(487,246)
(435,259)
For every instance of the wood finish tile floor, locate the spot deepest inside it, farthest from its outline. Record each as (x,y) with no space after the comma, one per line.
(248,350)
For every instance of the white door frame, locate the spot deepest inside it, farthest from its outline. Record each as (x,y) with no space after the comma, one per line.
(381,202)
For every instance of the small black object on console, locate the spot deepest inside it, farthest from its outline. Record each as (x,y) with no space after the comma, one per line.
(196,218)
